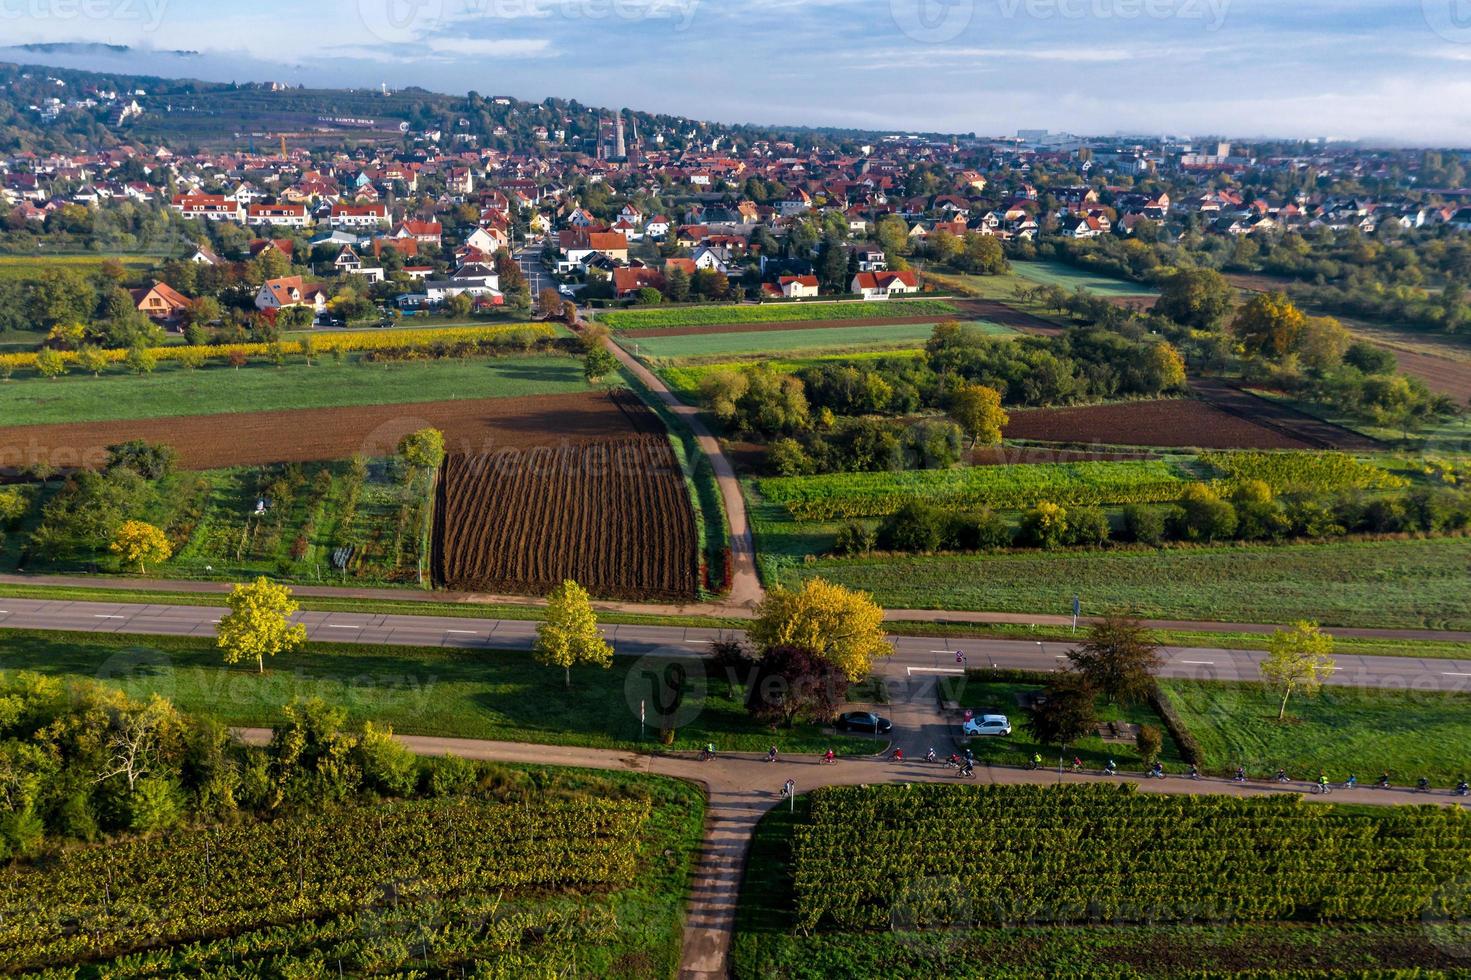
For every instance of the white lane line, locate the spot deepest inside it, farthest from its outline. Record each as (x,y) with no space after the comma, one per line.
(933,670)
(107,616)
(1199,663)
(695,643)
(334,626)
(465,632)
(1447,673)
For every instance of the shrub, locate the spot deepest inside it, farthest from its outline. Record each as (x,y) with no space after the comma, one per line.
(1204,516)
(1045,526)
(786,457)
(1144,524)
(916,527)
(449,775)
(1150,742)
(1087,526)
(1260,519)
(854,538)
(981,531)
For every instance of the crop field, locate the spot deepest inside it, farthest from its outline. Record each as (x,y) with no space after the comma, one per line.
(1095,880)
(1178,423)
(849,495)
(1338,731)
(781,327)
(684,379)
(174,391)
(1272,413)
(1071,277)
(691,316)
(30,266)
(616,517)
(579,874)
(1303,472)
(855,338)
(254,438)
(1389,584)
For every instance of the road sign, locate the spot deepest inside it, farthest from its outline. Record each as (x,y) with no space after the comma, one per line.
(1077,608)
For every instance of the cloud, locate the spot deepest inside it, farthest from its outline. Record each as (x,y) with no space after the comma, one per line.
(490,47)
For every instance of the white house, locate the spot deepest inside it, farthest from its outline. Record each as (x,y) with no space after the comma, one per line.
(882,285)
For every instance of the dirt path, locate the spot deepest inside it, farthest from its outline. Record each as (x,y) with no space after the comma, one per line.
(745,586)
(740,789)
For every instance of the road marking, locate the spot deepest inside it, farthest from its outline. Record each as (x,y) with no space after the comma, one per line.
(695,643)
(334,626)
(466,632)
(933,670)
(942,651)
(107,616)
(1199,663)
(1449,674)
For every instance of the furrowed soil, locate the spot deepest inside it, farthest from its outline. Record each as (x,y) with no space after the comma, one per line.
(1176,423)
(304,435)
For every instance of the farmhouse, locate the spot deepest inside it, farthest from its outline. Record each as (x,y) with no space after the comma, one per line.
(160,302)
(798,287)
(277,294)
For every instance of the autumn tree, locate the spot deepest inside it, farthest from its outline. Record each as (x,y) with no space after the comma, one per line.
(1299,659)
(259,623)
(1118,659)
(977,410)
(843,627)
(792,684)
(598,364)
(136,541)
(549,303)
(50,364)
(1066,711)
(1198,298)
(1269,325)
(423,450)
(569,635)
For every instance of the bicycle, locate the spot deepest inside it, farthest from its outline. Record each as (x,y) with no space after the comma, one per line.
(965,772)
(827,759)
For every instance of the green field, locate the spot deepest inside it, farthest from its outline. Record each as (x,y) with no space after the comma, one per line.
(30,266)
(838,496)
(172,390)
(899,335)
(689,316)
(1410,583)
(1071,277)
(489,694)
(684,379)
(1339,731)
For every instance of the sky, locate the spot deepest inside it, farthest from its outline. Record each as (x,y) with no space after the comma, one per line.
(1385,70)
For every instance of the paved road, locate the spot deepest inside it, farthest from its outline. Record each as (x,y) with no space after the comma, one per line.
(529,259)
(914,656)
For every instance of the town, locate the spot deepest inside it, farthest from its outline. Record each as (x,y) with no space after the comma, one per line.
(455,535)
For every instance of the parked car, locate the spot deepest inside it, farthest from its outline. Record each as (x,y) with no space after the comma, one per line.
(863,721)
(987,725)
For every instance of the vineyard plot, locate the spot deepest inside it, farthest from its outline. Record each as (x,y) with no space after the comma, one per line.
(614,516)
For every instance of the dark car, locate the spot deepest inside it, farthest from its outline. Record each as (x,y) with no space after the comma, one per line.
(863,721)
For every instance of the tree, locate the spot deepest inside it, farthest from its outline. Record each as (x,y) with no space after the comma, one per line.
(259,623)
(649,296)
(423,450)
(599,363)
(308,347)
(1066,711)
(136,541)
(982,255)
(1322,343)
(977,410)
(1198,298)
(50,364)
(460,305)
(678,284)
(1045,525)
(1150,741)
(141,360)
(843,627)
(1118,659)
(92,361)
(569,635)
(549,303)
(1299,659)
(1269,325)
(795,684)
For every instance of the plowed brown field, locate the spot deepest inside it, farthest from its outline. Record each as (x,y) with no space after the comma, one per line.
(616,517)
(257,438)
(1177,423)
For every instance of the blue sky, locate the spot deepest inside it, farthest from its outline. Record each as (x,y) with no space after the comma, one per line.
(1380,69)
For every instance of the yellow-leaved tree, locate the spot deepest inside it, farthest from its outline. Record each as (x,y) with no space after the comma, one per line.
(569,635)
(843,627)
(1299,659)
(977,410)
(259,624)
(136,541)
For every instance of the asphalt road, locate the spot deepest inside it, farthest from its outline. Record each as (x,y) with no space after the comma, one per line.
(914,656)
(529,259)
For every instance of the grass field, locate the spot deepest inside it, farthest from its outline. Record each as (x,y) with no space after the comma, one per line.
(899,335)
(1005,698)
(1412,583)
(684,379)
(1340,731)
(687,316)
(171,390)
(1071,277)
(29,266)
(486,694)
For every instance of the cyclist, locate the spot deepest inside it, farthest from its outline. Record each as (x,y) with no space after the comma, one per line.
(1384,780)
(1077,764)
(970,758)
(1282,776)
(898,755)
(1157,771)
(828,758)
(1111,768)
(1462,788)
(771,754)
(709,752)
(930,755)
(1323,783)
(1194,771)
(1240,776)
(1036,760)
(1422,785)
(1352,782)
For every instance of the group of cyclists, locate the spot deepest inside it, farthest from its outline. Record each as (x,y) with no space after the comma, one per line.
(964,766)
